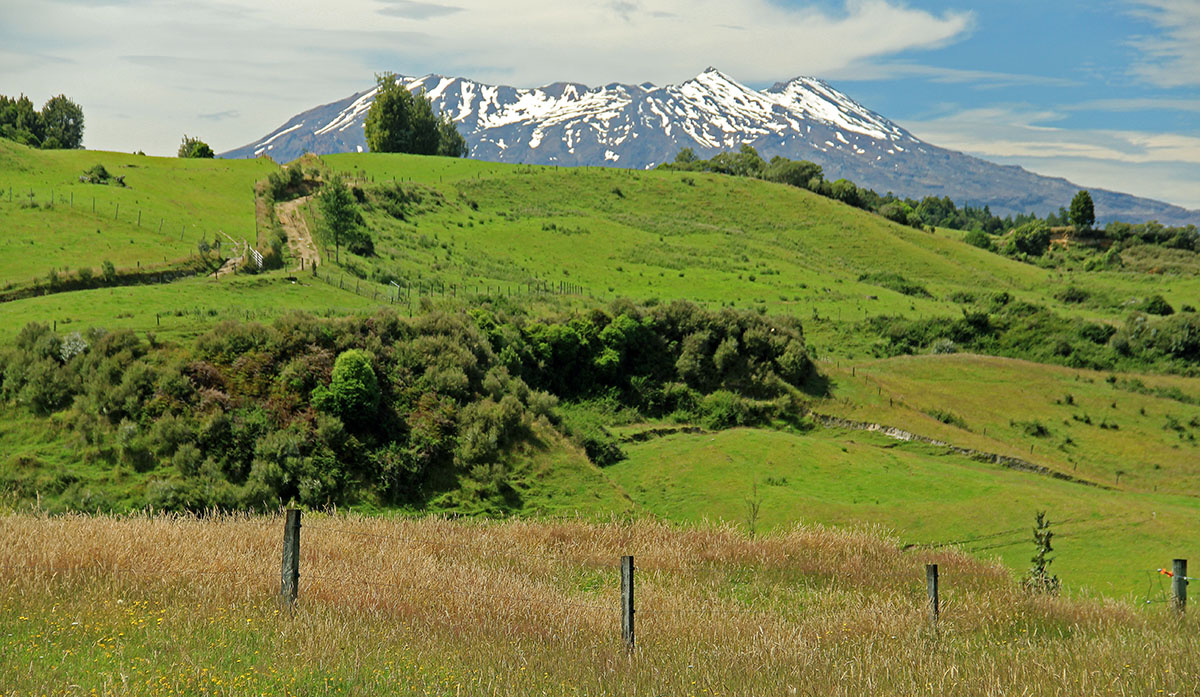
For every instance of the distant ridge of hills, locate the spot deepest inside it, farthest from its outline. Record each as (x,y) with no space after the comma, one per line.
(640,126)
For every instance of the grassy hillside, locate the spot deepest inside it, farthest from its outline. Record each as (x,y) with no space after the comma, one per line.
(927,496)
(180,201)
(152,605)
(1085,423)
(453,236)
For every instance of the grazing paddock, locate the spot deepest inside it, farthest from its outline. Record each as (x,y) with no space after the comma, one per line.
(189,605)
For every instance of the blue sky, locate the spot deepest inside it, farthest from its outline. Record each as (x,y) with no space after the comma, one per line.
(1105,93)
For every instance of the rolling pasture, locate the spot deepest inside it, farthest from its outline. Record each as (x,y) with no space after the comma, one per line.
(485,233)
(67,225)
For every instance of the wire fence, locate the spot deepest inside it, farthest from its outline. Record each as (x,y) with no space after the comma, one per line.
(513,589)
(143,271)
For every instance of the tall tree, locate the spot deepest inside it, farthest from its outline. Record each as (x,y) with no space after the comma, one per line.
(62,121)
(400,121)
(1083,213)
(194,147)
(338,214)
(19,121)
(450,141)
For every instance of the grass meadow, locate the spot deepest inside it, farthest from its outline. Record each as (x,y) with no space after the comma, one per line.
(180,201)
(153,605)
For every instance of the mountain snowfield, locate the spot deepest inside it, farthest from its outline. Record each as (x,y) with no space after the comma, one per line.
(640,126)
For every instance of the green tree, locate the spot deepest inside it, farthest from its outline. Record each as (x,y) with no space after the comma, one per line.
(450,142)
(799,173)
(1032,238)
(686,156)
(400,121)
(194,147)
(19,121)
(353,393)
(338,214)
(845,191)
(62,120)
(1083,212)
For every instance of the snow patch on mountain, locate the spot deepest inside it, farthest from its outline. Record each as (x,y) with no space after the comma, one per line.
(639,126)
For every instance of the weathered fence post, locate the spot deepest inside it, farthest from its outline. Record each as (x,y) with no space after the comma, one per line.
(118,212)
(931,587)
(627,601)
(289,583)
(1179,583)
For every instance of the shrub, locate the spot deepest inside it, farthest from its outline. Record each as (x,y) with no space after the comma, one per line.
(979,238)
(1156,305)
(896,282)
(353,392)
(1072,294)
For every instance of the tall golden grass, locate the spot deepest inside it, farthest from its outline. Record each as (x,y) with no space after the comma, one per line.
(522,607)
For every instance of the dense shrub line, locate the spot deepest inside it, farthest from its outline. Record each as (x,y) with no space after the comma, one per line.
(1150,339)
(387,410)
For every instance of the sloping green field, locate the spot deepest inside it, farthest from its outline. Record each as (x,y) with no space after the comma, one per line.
(72,224)
(461,233)
(1106,540)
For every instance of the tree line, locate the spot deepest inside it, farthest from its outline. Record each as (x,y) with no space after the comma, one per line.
(929,211)
(57,126)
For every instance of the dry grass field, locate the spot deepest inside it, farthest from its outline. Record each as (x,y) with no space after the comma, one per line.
(155,605)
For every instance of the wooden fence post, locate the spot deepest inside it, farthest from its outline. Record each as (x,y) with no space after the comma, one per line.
(289,583)
(627,601)
(1179,584)
(931,587)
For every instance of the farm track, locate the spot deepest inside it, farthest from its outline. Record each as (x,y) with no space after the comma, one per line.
(299,237)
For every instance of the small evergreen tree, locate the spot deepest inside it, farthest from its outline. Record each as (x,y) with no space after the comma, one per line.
(1039,578)
(339,216)
(1083,212)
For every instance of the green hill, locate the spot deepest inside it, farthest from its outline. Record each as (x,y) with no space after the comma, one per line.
(53,221)
(542,244)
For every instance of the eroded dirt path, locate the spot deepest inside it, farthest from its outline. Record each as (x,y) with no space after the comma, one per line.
(299,237)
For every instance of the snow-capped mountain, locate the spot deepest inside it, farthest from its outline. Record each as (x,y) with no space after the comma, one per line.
(643,125)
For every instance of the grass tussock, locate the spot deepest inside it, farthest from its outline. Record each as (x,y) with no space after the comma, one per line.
(187,605)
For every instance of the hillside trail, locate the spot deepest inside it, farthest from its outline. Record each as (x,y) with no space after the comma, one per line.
(299,237)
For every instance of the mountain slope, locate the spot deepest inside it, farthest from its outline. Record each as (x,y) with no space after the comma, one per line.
(639,126)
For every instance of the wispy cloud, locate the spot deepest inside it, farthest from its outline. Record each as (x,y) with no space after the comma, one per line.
(220,115)
(1136,104)
(1171,58)
(981,79)
(408,9)
(1165,166)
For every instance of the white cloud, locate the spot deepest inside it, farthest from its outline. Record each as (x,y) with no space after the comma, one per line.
(1171,59)
(1162,166)
(900,70)
(161,64)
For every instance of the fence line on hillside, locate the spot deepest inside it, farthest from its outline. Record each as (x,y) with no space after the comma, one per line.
(30,200)
(408,291)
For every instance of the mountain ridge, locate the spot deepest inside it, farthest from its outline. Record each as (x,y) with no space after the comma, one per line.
(640,126)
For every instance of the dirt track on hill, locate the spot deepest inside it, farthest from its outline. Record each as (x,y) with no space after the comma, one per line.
(299,237)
